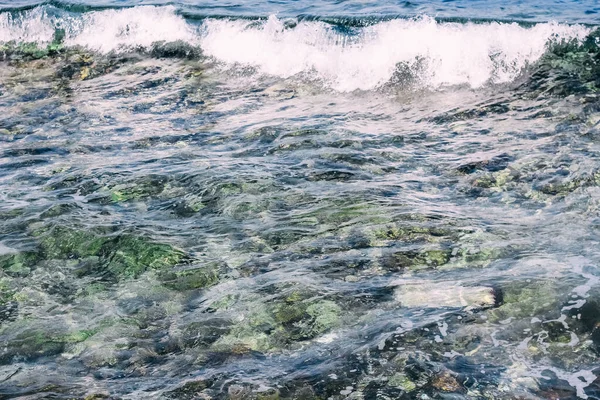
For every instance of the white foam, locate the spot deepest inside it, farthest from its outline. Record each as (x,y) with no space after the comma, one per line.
(33,26)
(104,31)
(133,27)
(437,54)
(449,53)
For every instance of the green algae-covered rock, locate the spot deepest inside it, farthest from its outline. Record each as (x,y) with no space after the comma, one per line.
(63,243)
(402,381)
(306,319)
(562,187)
(223,303)
(324,315)
(289,313)
(121,256)
(30,50)
(97,396)
(140,188)
(341,213)
(190,278)
(129,256)
(30,341)
(18,264)
(415,260)
(32,338)
(204,333)
(408,233)
(569,68)
(189,390)
(243,340)
(495,180)
(296,318)
(472,257)
(79,336)
(6,291)
(526,300)
(31,344)
(268,394)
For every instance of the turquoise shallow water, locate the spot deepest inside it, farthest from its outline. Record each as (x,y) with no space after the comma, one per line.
(294,200)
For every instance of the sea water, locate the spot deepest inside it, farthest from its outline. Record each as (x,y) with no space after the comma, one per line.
(299,199)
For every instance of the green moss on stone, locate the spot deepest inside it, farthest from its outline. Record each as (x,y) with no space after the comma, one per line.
(129,256)
(6,291)
(79,336)
(524,301)
(61,243)
(325,315)
(420,259)
(402,381)
(296,318)
(189,390)
(123,256)
(244,340)
(18,264)
(303,320)
(269,394)
(193,278)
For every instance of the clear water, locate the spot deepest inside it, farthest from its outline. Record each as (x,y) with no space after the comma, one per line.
(299,200)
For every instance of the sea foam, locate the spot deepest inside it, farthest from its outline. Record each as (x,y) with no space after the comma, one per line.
(439,53)
(433,53)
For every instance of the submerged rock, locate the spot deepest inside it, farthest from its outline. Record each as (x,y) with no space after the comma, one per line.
(18,264)
(189,390)
(526,300)
(382,235)
(446,382)
(129,256)
(176,49)
(8,305)
(589,316)
(402,381)
(414,260)
(193,277)
(570,67)
(493,164)
(140,188)
(243,340)
(306,319)
(299,317)
(105,254)
(442,294)
(31,342)
(204,333)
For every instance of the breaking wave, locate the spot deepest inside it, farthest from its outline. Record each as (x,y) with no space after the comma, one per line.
(344,58)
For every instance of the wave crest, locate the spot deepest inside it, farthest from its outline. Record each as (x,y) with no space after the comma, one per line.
(433,53)
(103,31)
(437,53)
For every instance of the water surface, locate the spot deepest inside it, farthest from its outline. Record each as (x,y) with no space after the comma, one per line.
(299,200)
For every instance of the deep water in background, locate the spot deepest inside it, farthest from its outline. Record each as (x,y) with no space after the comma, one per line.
(571,11)
(352,203)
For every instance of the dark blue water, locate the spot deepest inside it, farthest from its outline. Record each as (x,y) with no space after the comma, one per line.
(572,11)
(299,200)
